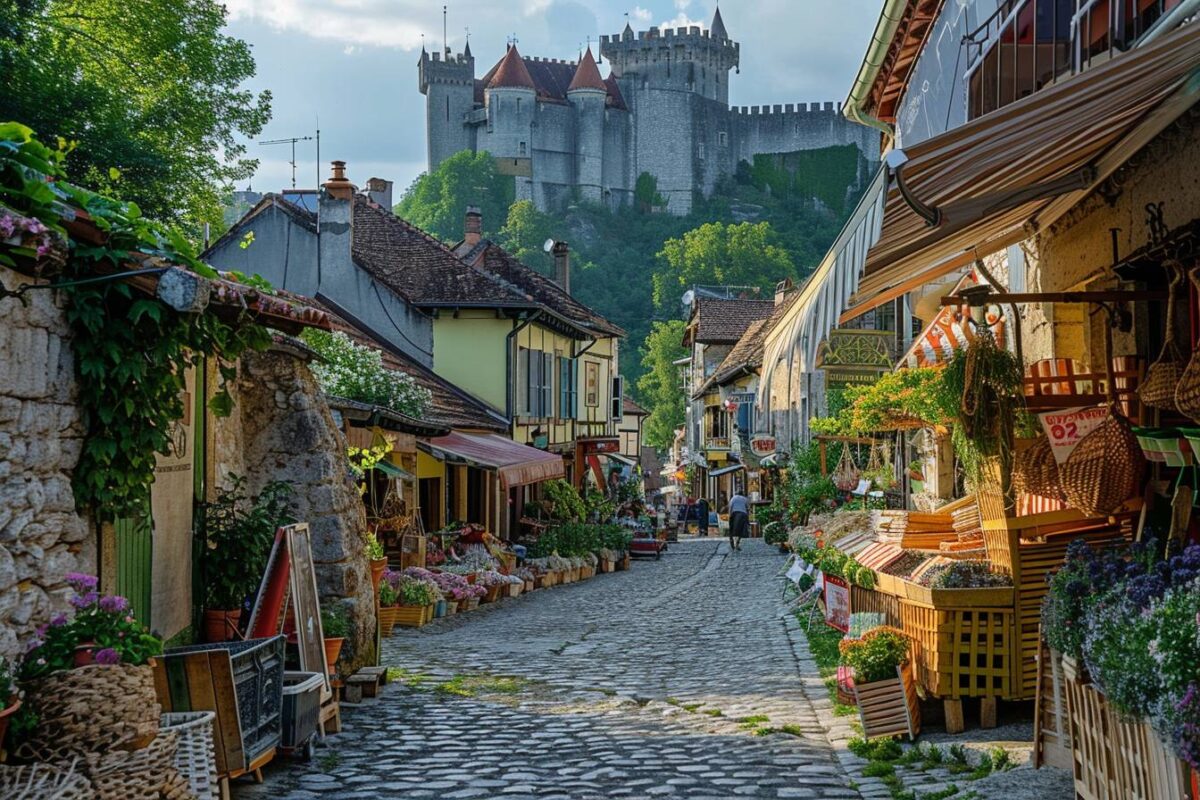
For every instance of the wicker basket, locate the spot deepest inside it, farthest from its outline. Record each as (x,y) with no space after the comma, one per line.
(1164,375)
(44,782)
(91,709)
(1105,469)
(1035,471)
(145,774)
(195,755)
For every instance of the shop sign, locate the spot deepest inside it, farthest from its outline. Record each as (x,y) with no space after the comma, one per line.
(607,446)
(762,445)
(837,603)
(1068,427)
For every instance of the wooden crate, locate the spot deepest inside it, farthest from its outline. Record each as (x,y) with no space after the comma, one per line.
(412,551)
(963,652)
(889,707)
(1031,548)
(410,616)
(874,601)
(1052,722)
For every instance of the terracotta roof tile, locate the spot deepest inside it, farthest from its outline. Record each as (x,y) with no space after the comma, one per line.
(587,76)
(511,72)
(719,321)
(552,80)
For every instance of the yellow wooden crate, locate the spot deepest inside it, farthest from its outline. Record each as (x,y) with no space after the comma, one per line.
(967,652)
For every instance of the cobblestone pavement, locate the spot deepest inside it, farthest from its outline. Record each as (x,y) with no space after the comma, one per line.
(675,679)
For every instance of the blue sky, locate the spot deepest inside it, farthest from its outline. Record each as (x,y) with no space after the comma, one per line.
(352,63)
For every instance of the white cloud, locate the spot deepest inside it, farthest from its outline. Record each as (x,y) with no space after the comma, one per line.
(640,14)
(380,23)
(681,5)
(682,20)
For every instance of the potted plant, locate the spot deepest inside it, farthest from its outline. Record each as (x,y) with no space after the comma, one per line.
(389,600)
(416,600)
(378,559)
(883,687)
(335,627)
(238,534)
(10,696)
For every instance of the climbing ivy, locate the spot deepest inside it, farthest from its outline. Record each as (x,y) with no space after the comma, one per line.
(131,351)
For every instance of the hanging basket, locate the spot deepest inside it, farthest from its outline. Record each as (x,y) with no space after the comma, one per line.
(1035,471)
(1164,376)
(846,476)
(1105,468)
(91,709)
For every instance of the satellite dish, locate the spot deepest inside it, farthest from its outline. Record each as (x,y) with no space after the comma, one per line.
(549,245)
(688,297)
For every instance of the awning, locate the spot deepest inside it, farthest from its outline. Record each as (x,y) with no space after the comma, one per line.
(1018,169)
(622,459)
(716,473)
(517,464)
(393,471)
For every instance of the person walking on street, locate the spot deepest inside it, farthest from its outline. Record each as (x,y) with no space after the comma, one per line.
(702,510)
(739,519)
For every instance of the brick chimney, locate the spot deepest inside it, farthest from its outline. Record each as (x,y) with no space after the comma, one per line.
(562,265)
(472,226)
(336,232)
(380,191)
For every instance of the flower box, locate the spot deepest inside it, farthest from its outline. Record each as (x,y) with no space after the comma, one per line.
(529,585)
(468,604)
(986,597)
(889,707)
(514,589)
(493,594)
(451,608)
(411,616)
(387,620)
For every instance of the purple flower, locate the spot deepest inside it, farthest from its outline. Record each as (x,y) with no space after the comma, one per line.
(40,631)
(7,225)
(108,656)
(86,600)
(113,604)
(58,620)
(81,582)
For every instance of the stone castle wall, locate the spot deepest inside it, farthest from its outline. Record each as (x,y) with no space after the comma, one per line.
(42,537)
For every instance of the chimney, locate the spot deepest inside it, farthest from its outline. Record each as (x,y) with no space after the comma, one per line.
(562,265)
(782,290)
(336,220)
(472,226)
(380,191)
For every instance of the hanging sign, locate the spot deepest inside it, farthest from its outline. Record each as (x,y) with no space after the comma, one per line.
(762,445)
(1067,428)
(837,603)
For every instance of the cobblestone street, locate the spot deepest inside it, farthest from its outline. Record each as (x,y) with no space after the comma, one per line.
(675,679)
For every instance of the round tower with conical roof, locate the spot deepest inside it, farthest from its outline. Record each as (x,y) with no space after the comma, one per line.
(510,99)
(587,94)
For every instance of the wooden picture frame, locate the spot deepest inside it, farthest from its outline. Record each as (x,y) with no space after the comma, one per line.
(591,384)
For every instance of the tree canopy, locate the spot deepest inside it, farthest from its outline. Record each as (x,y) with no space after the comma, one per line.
(659,384)
(437,200)
(716,253)
(151,92)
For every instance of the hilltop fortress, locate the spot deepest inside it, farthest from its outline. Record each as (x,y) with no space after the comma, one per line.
(567,133)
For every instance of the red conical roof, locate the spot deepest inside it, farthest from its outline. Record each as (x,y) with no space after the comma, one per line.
(587,75)
(512,72)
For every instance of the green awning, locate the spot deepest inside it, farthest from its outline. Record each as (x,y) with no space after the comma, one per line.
(392,471)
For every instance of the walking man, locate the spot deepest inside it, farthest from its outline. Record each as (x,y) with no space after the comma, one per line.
(702,511)
(739,519)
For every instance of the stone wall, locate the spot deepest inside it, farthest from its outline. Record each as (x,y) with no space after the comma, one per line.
(41,536)
(283,430)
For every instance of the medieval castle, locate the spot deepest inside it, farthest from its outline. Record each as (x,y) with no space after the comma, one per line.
(567,133)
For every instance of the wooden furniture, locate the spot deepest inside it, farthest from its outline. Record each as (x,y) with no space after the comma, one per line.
(889,707)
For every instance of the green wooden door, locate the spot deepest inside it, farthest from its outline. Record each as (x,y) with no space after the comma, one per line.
(135,549)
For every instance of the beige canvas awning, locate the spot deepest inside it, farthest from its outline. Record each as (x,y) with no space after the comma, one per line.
(1001,177)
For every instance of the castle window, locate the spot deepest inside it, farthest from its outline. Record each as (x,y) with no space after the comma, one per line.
(722,138)
(447,109)
(700,151)
(518,105)
(521,149)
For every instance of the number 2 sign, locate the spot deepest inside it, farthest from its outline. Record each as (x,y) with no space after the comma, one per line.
(1066,428)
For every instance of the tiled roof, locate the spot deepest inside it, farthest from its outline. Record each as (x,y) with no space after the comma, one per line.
(418,266)
(451,406)
(628,406)
(551,80)
(721,321)
(497,261)
(746,354)
(511,72)
(587,76)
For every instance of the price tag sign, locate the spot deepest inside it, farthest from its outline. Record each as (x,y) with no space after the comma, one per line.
(1067,428)
(837,603)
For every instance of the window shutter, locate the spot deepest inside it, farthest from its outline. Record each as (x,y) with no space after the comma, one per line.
(618,403)
(522,381)
(547,389)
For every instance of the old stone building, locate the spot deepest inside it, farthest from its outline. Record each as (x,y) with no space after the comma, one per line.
(568,134)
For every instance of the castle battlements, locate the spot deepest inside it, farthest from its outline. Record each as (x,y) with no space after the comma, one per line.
(830,108)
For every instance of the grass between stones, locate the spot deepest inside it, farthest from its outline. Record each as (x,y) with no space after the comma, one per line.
(460,685)
(883,756)
(823,643)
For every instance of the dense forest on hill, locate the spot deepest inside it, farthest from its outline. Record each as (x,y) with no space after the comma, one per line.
(773,219)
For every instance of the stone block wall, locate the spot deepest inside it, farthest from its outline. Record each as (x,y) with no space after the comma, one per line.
(41,434)
(283,430)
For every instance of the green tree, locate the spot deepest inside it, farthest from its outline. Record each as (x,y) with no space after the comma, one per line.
(151,91)
(525,233)
(645,193)
(742,254)
(659,385)
(436,201)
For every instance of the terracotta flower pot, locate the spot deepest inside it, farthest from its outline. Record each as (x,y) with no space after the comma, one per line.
(378,566)
(7,714)
(221,626)
(85,654)
(333,649)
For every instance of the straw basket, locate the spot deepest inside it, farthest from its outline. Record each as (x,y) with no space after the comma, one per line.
(1105,469)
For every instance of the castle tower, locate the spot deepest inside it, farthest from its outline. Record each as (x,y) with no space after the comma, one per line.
(449,89)
(587,95)
(510,98)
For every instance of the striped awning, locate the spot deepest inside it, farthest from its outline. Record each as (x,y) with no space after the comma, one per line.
(1007,174)
(949,331)
(516,464)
